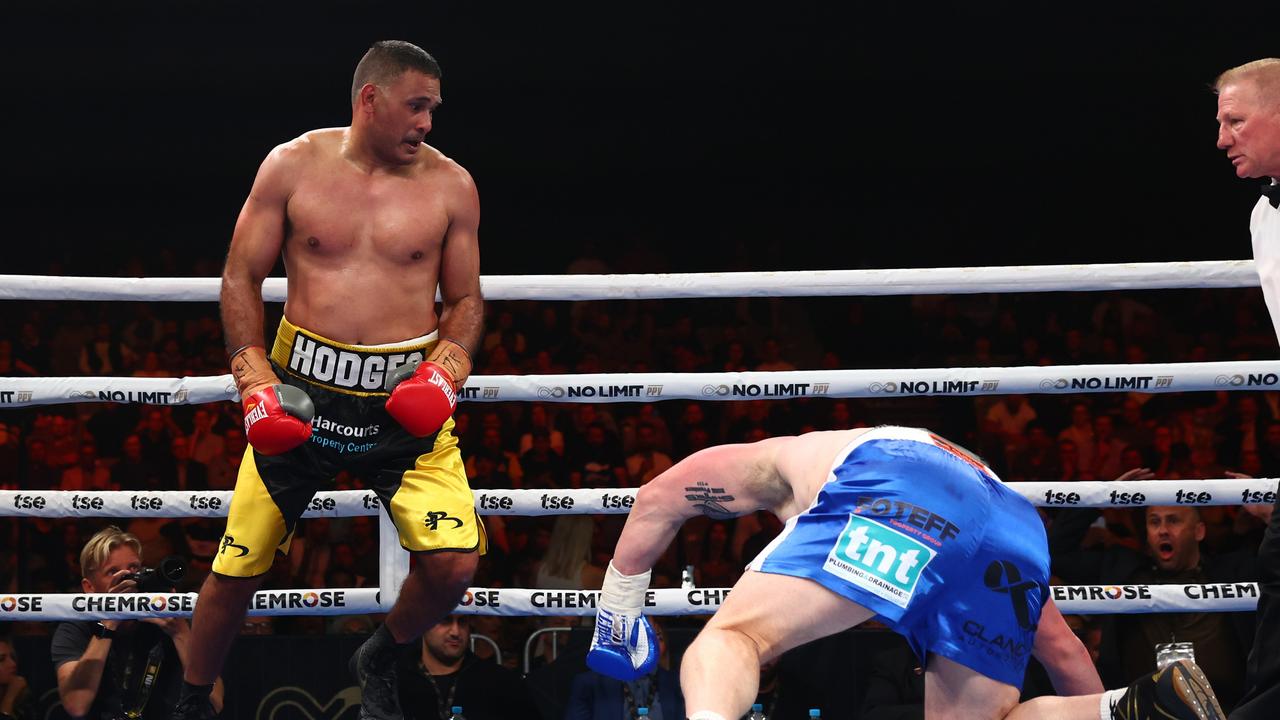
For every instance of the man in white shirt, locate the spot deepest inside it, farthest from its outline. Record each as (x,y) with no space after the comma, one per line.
(1249,132)
(647,462)
(1011,413)
(205,443)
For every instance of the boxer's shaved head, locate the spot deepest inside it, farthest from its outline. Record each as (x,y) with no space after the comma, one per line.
(386,60)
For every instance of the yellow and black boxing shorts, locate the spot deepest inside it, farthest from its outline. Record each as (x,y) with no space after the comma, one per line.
(421,481)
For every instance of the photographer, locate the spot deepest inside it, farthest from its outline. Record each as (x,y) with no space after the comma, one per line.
(121,668)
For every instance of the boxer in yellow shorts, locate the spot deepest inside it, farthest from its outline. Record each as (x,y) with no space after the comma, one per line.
(421,480)
(379,234)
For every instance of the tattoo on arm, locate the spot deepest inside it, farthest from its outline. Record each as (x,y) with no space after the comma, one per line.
(709,500)
(240,367)
(454,366)
(250,367)
(454,358)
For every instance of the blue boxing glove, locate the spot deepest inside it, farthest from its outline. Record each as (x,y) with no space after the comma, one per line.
(624,647)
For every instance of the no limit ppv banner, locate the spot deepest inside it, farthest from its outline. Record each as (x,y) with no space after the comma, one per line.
(645,387)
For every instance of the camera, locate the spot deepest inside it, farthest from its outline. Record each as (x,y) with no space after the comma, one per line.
(162,578)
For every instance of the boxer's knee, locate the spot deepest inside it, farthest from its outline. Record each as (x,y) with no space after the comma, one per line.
(749,638)
(447,573)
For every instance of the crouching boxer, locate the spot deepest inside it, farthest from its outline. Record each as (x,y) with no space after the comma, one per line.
(890,523)
(363,374)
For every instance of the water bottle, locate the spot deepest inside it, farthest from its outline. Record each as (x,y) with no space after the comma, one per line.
(686,578)
(815,713)
(757,712)
(642,712)
(1167,653)
(457,713)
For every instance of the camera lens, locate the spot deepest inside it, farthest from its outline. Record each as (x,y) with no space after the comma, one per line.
(173,568)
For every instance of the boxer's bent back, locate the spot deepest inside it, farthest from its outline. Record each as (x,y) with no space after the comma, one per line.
(925,536)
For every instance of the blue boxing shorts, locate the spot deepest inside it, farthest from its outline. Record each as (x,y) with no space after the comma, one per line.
(924,535)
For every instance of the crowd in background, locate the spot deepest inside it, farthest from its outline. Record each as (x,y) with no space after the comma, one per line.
(105,446)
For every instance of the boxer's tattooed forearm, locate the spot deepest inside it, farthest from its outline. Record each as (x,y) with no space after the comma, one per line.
(454,359)
(240,366)
(246,369)
(454,366)
(709,501)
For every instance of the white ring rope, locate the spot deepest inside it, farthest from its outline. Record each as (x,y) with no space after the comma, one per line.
(332,504)
(519,602)
(817,283)
(648,387)
(596,501)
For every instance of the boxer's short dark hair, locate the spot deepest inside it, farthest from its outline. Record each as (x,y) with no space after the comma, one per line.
(386,60)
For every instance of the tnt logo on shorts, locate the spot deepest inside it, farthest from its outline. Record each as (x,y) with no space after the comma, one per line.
(879,559)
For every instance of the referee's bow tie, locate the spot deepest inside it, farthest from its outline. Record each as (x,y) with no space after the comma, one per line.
(1272,191)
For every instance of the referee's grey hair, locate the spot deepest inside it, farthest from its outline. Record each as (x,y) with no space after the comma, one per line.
(1264,74)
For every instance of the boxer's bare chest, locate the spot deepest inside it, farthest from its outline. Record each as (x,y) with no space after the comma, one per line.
(339,215)
(363,252)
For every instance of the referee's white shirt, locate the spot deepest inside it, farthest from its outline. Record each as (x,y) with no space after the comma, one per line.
(1264,226)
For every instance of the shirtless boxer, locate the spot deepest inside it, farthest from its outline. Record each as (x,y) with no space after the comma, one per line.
(363,375)
(890,523)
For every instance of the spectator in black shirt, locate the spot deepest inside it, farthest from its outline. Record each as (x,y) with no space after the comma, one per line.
(181,472)
(110,424)
(487,471)
(1270,451)
(1038,459)
(895,685)
(693,417)
(105,354)
(30,354)
(597,463)
(37,473)
(1173,537)
(445,673)
(10,454)
(543,466)
(133,472)
(156,433)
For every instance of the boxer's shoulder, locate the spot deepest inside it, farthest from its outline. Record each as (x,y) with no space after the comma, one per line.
(441,176)
(311,145)
(806,462)
(290,161)
(811,455)
(436,165)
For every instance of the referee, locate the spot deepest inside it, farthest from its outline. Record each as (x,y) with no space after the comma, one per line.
(1249,132)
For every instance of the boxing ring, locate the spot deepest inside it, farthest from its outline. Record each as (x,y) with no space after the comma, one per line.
(653,387)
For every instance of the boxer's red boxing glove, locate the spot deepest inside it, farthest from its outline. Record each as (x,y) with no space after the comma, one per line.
(422,397)
(277,419)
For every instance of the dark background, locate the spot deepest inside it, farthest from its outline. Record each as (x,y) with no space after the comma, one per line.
(791,136)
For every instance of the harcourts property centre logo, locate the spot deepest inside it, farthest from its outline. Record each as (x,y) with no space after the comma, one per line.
(879,559)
